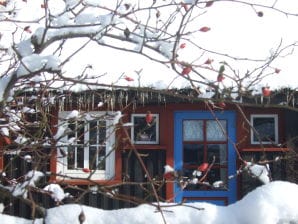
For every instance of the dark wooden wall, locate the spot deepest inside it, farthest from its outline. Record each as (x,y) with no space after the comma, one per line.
(137,188)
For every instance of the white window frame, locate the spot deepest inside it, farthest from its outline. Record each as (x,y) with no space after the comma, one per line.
(275,116)
(109,171)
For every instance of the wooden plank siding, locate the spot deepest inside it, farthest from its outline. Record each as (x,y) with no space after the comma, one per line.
(132,173)
(130,178)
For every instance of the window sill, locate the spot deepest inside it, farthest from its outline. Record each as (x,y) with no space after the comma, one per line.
(269,149)
(87,182)
(152,147)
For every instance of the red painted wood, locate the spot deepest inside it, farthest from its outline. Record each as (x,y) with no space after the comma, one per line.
(265,150)
(243,128)
(166,134)
(1,153)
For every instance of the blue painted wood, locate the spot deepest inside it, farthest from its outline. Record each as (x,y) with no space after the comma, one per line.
(211,201)
(230,116)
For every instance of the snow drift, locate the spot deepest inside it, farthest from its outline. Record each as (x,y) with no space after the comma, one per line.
(273,203)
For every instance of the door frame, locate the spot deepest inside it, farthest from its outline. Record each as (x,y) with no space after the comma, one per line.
(219,197)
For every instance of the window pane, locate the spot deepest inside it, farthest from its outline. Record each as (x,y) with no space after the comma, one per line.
(265,126)
(217,174)
(219,151)
(214,175)
(71,158)
(80,157)
(97,158)
(80,132)
(101,132)
(193,154)
(97,132)
(93,133)
(75,157)
(215,129)
(72,127)
(192,130)
(144,131)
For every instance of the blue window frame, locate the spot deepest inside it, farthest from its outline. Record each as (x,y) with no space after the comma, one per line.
(201,137)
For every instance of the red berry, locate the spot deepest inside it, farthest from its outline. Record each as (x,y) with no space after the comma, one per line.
(208,61)
(183,45)
(222,104)
(169,176)
(184,6)
(186,70)
(205,29)
(209,3)
(260,14)
(27,29)
(220,78)
(277,70)
(86,170)
(129,79)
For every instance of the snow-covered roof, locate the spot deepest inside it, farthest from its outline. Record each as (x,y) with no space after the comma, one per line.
(121,97)
(123,68)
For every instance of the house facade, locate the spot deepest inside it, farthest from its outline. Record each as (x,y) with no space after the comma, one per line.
(126,138)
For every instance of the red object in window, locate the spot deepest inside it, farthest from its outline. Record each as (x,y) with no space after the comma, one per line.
(203,167)
(266,91)
(149,117)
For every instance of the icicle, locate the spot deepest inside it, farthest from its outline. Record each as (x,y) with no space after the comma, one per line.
(120,99)
(92,103)
(79,102)
(88,100)
(70,106)
(262,99)
(143,99)
(134,103)
(61,103)
(126,98)
(107,100)
(159,98)
(112,103)
(82,102)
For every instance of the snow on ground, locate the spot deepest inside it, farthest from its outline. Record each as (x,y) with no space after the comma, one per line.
(273,203)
